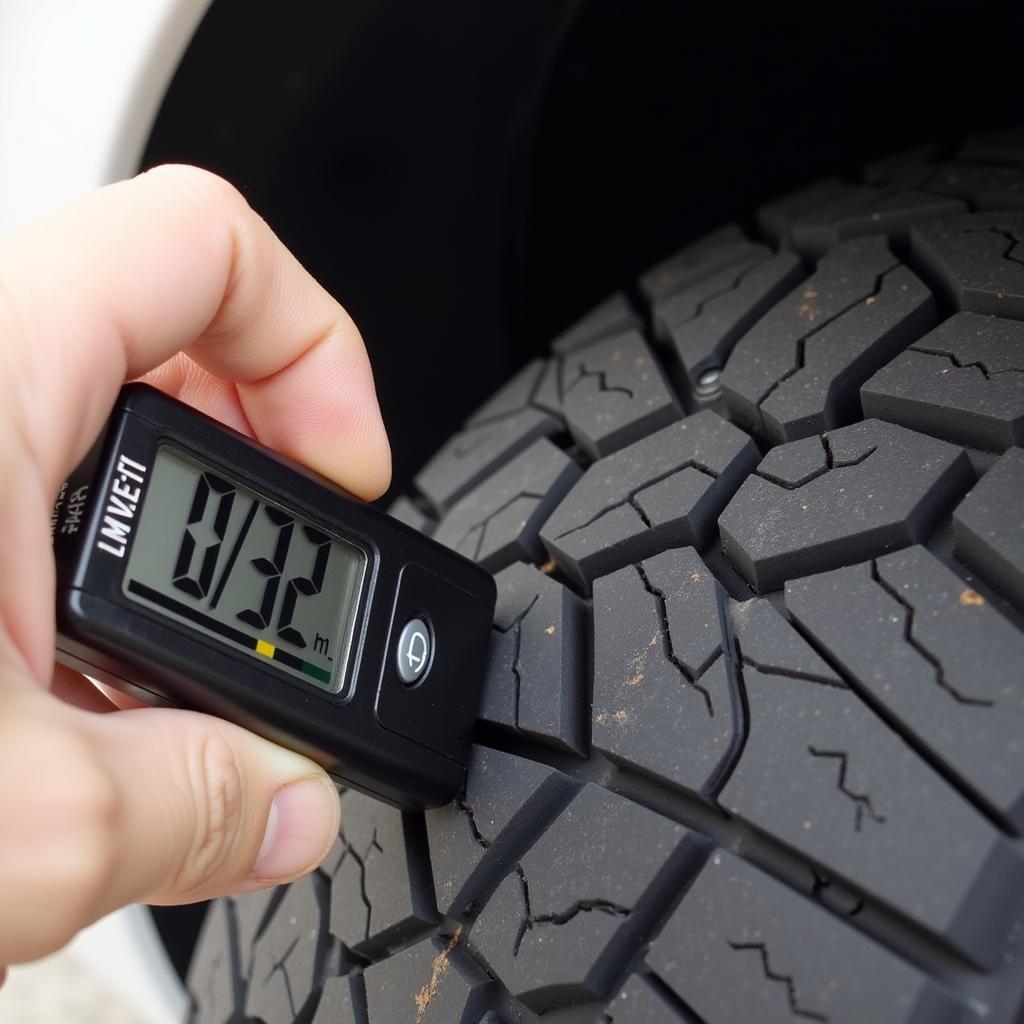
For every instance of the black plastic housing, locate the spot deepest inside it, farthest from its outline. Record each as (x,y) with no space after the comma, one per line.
(407,745)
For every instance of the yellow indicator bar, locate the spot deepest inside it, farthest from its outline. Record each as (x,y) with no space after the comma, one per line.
(267,650)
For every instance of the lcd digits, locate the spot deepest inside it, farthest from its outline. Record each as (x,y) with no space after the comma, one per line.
(217,556)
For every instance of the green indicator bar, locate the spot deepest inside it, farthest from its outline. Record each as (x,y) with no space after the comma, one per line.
(317,673)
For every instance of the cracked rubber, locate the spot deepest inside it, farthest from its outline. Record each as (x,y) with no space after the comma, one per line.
(751,747)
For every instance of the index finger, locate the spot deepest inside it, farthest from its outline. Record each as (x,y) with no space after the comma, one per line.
(109,286)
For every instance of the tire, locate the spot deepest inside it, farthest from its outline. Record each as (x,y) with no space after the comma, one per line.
(752,747)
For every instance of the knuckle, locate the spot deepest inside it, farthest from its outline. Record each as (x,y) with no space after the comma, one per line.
(218,795)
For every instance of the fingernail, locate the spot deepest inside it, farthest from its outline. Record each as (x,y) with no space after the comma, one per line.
(300,829)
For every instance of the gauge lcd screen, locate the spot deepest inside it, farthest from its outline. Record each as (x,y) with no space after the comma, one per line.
(218,558)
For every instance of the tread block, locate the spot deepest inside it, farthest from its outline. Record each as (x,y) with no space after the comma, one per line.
(433,982)
(702,322)
(887,209)
(984,187)
(934,655)
(536,673)
(251,910)
(1001,146)
(822,774)
(727,248)
(662,697)
(797,371)
(823,392)
(406,511)
(881,487)
(638,1003)
(612,392)
(379,895)
(570,892)
(498,523)
(338,1005)
(513,397)
(288,957)
(963,381)
(978,259)
(508,801)
(775,218)
(667,489)
(988,527)
(499,430)
(215,980)
(743,948)
(612,316)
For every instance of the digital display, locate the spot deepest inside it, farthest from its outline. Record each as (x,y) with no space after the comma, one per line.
(214,556)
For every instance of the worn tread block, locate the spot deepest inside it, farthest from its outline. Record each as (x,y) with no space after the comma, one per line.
(667,489)
(508,800)
(613,392)
(941,661)
(502,427)
(637,1003)
(662,698)
(371,910)
(703,322)
(775,218)
(888,209)
(977,258)
(406,511)
(860,803)
(723,249)
(337,1005)
(1001,145)
(984,187)
(823,392)
(513,397)
(215,980)
(801,363)
(433,982)
(963,381)
(743,948)
(988,527)
(288,956)
(535,676)
(498,523)
(882,487)
(251,909)
(612,316)
(572,895)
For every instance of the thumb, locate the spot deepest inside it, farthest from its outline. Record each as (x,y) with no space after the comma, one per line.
(152,805)
(206,808)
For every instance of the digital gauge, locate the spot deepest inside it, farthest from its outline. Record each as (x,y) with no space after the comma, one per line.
(200,569)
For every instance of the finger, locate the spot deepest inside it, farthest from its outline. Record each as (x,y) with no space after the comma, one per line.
(182,378)
(113,284)
(151,806)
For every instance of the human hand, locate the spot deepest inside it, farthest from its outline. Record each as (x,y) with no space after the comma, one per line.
(171,276)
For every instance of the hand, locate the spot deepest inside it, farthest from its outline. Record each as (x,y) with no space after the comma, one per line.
(171,276)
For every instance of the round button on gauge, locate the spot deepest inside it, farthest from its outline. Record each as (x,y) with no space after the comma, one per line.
(415,648)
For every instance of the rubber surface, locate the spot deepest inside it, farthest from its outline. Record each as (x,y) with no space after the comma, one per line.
(752,745)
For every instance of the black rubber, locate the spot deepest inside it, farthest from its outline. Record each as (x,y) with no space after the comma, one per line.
(752,746)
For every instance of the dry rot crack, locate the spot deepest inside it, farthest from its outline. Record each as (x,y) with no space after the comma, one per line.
(975,364)
(482,525)
(602,382)
(861,800)
(785,979)
(631,497)
(909,638)
(669,651)
(801,341)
